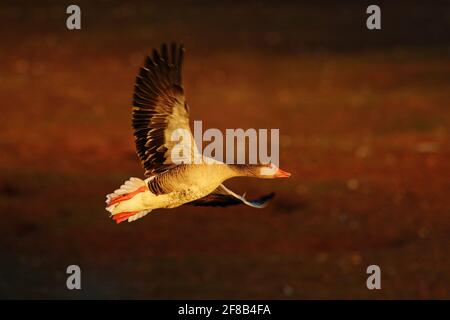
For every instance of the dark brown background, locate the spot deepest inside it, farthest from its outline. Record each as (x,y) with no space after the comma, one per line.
(363,117)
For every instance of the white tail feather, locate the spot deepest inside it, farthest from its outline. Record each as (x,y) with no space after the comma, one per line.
(138,215)
(128,186)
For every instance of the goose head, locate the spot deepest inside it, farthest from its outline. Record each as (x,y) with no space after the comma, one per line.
(271,171)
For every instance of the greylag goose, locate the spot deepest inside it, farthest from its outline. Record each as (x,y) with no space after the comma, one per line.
(160,108)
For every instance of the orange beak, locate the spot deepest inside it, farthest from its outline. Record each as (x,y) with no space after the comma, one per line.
(282,174)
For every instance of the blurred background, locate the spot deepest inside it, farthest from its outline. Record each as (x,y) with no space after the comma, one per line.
(364,130)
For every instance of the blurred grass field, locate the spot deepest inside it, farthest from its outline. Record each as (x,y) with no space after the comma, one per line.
(363,120)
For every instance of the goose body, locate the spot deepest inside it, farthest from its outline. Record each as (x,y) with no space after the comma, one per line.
(159,108)
(173,188)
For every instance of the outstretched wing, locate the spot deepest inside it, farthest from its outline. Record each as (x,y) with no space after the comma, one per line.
(223,197)
(159,109)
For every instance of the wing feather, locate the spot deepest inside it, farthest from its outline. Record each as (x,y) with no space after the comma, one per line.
(159,108)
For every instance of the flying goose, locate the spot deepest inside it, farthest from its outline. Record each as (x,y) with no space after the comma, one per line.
(159,109)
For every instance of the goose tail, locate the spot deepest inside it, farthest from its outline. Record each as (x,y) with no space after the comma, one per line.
(127,191)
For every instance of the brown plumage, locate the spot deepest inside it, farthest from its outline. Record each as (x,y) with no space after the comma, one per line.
(159,105)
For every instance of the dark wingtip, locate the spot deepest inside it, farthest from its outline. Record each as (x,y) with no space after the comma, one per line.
(156,57)
(165,53)
(262,202)
(267,197)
